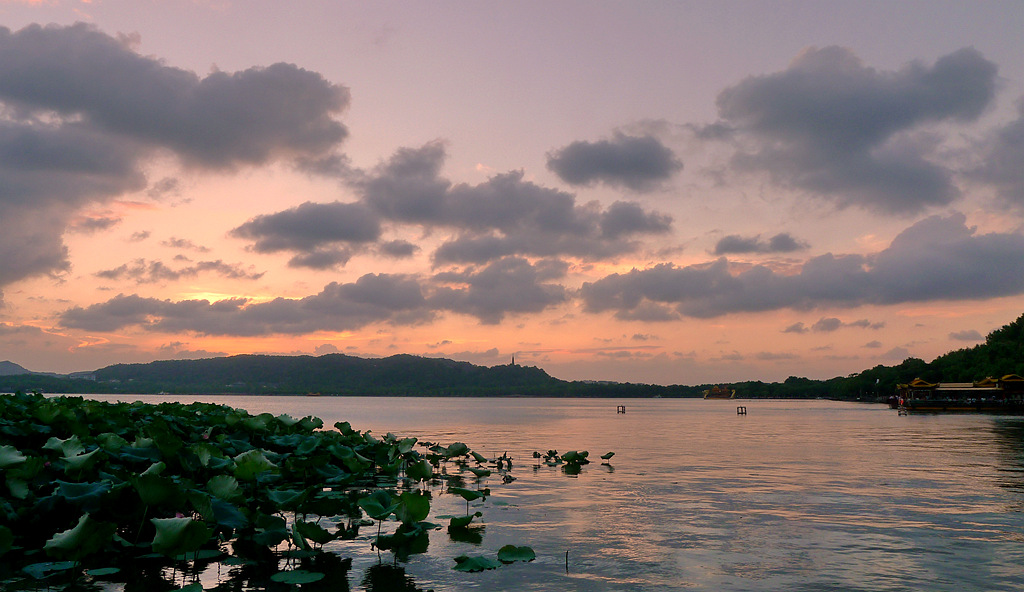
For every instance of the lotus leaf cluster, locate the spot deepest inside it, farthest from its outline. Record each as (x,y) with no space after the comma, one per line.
(95,489)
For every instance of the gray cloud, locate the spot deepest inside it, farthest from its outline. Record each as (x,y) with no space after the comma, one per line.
(338,307)
(82,112)
(1003,165)
(91,224)
(80,72)
(47,173)
(144,272)
(827,325)
(832,126)
(640,163)
(966,335)
(502,217)
(916,267)
(897,354)
(625,218)
(780,243)
(398,249)
(509,285)
(184,243)
(323,235)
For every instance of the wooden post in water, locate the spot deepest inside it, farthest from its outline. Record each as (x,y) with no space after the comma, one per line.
(741,410)
(620,409)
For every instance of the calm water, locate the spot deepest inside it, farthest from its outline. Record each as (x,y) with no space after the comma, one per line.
(796,495)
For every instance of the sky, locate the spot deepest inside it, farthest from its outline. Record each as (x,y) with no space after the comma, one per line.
(652,192)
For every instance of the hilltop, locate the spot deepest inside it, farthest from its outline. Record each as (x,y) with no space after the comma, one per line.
(8,368)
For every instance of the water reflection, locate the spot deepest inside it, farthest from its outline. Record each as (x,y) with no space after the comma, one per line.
(388,578)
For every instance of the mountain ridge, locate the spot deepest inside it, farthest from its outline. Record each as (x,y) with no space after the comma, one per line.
(1002,353)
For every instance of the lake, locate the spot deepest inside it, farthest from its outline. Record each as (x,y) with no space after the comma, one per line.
(795,495)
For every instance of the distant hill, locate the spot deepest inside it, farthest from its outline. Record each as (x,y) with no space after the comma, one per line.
(332,374)
(408,375)
(328,374)
(8,368)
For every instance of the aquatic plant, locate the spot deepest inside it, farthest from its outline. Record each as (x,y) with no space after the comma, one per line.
(107,490)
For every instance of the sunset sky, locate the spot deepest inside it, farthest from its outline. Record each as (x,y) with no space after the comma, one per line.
(662,192)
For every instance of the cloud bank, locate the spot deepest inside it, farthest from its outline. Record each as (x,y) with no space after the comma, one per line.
(83,113)
(638,163)
(842,131)
(939,258)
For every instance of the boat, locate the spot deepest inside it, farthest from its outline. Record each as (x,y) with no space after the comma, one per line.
(992,395)
(719,392)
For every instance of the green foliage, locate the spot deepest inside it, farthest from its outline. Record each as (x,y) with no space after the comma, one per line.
(512,553)
(110,486)
(475,563)
(175,536)
(87,537)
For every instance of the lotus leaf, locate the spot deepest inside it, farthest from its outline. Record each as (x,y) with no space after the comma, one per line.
(419,471)
(575,457)
(288,499)
(81,462)
(258,423)
(250,464)
(43,570)
(155,490)
(378,505)
(102,571)
(459,522)
(297,576)
(310,423)
(111,442)
(412,507)
(272,530)
(406,540)
(68,447)
(314,532)
(86,538)
(456,449)
(468,494)
(300,541)
(307,446)
(193,587)
(287,420)
(480,473)
(224,487)
(607,455)
(512,553)
(478,457)
(175,536)
(139,455)
(18,488)
(475,563)
(205,452)
(227,515)
(10,456)
(26,470)
(87,496)
(156,468)
(405,445)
